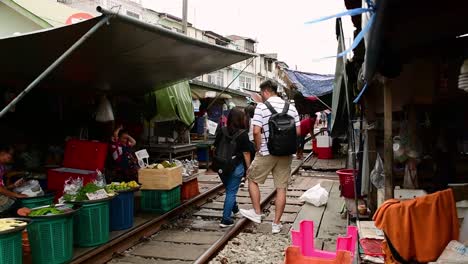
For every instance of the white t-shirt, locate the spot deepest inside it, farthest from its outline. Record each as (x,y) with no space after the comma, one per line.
(262,115)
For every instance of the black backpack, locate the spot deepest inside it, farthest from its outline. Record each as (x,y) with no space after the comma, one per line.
(224,159)
(282,140)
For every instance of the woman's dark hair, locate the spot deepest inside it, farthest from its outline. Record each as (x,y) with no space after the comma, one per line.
(5,148)
(123,132)
(236,119)
(250,110)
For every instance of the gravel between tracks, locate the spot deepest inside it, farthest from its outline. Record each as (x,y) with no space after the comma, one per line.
(254,248)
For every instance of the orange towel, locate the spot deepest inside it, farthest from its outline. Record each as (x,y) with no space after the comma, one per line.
(419,229)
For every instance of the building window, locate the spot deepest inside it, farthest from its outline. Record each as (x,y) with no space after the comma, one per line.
(133,14)
(270,64)
(245,82)
(216,78)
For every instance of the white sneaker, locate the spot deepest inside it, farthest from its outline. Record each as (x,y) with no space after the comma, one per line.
(251,215)
(276,228)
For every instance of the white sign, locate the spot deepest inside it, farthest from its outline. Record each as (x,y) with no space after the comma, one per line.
(97,195)
(212,126)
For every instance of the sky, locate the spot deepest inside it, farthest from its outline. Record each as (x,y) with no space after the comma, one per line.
(278,26)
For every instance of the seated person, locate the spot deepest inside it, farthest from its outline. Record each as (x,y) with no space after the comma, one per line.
(7,197)
(125,165)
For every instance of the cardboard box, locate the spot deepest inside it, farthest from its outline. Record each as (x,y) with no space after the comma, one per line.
(160,179)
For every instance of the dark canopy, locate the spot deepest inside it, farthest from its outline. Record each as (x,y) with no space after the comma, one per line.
(409,29)
(126,56)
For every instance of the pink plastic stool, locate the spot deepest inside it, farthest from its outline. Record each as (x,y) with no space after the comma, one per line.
(304,239)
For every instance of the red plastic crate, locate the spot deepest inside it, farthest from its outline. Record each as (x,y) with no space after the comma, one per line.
(82,159)
(85,155)
(56,178)
(189,189)
(324,153)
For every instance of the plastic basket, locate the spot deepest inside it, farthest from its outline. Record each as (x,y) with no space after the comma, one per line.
(11,248)
(51,240)
(34,202)
(189,189)
(121,211)
(346,182)
(91,226)
(157,201)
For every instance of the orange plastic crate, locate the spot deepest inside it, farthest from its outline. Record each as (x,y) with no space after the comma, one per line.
(189,189)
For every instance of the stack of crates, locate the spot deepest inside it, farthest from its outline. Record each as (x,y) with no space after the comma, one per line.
(160,189)
(189,188)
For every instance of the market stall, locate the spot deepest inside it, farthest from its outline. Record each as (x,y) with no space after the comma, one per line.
(58,88)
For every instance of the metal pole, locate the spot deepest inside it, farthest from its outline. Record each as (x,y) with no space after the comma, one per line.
(184,16)
(54,65)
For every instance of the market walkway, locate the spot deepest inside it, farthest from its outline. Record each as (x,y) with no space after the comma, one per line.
(188,237)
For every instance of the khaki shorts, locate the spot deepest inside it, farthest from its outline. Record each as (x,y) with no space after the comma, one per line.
(279,166)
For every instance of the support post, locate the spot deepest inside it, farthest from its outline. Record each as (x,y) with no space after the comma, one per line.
(54,65)
(184,16)
(388,140)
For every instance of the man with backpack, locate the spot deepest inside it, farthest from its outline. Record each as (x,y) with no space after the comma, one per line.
(276,129)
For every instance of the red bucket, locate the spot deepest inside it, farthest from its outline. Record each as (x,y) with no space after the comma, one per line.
(347,182)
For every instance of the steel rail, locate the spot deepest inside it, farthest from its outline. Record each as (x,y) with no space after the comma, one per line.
(232,232)
(106,252)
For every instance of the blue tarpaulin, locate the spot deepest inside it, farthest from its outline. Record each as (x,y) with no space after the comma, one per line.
(311,84)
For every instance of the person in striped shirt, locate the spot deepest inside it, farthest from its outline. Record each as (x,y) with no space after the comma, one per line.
(264,163)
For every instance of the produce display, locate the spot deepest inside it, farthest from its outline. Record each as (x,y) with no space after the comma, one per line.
(49,210)
(163,165)
(122,186)
(82,193)
(8,224)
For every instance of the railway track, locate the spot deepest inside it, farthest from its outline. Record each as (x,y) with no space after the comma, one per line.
(190,232)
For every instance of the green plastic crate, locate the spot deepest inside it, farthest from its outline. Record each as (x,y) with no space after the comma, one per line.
(91,226)
(34,202)
(11,248)
(51,240)
(157,201)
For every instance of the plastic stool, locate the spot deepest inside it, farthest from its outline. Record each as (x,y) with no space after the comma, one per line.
(304,239)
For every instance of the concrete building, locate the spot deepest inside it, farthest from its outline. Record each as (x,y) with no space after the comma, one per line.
(131,8)
(251,74)
(23,16)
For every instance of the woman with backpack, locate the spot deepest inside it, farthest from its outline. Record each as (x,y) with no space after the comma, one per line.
(231,158)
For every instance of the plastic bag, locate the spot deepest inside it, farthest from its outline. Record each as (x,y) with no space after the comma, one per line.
(104,111)
(30,188)
(71,187)
(316,195)
(100,179)
(377,174)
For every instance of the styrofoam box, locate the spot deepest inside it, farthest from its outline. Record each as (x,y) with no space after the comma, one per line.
(324,141)
(406,194)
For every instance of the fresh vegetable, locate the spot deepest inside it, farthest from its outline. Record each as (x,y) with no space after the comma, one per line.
(81,194)
(162,165)
(8,224)
(88,188)
(121,186)
(51,210)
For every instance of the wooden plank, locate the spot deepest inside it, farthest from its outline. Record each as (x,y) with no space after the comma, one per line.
(140,260)
(332,224)
(285,218)
(165,250)
(193,237)
(310,212)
